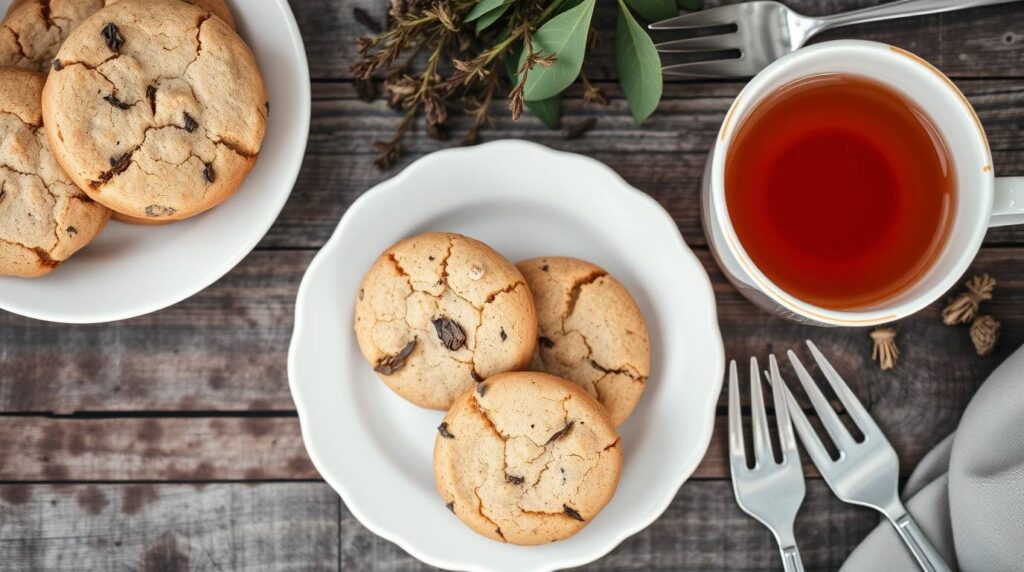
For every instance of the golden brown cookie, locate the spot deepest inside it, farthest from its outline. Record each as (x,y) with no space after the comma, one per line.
(591,331)
(527,458)
(218,8)
(44,217)
(155,108)
(439,312)
(34,30)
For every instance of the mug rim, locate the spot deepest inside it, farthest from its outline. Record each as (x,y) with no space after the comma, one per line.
(807,310)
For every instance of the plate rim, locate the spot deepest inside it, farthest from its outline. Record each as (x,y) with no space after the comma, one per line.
(656,510)
(304,96)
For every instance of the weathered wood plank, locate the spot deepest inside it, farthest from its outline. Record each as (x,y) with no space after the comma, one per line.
(153,449)
(665,157)
(237,364)
(982,43)
(207,449)
(245,321)
(223,349)
(702,530)
(294,526)
(270,526)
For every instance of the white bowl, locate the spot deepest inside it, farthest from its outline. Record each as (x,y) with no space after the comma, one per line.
(133,270)
(525,200)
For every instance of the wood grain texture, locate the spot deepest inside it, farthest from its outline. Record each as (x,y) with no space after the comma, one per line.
(225,349)
(153,449)
(169,528)
(703,530)
(204,449)
(982,43)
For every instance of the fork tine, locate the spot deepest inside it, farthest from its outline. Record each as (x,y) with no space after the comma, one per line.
(812,443)
(737,456)
(701,43)
(762,447)
(735,67)
(846,396)
(720,16)
(786,437)
(840,436)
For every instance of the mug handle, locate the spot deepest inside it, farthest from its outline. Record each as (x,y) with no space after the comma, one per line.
(1008,203)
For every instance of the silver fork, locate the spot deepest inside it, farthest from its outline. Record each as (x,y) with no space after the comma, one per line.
(766,31)
(866,473)
(770,492)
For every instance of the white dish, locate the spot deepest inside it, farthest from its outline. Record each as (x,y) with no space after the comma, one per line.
(525,200)
(133,270)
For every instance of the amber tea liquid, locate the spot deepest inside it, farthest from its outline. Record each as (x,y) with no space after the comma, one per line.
(840,190)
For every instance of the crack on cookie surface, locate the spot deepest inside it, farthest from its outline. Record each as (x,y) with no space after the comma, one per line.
(576,288)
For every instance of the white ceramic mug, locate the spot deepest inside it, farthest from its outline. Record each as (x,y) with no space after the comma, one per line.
(982,199)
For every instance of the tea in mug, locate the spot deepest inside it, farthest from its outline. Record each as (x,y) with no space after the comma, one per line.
(840,189)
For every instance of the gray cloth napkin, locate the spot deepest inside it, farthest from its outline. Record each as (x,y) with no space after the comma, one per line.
(967,494)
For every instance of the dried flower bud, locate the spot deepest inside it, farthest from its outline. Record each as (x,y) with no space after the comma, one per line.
(515,102)
(435,110)
(593,94)
(985,334)
(884,351)
(964,307)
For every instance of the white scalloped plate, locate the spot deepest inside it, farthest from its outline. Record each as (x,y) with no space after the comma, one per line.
(132,270)
(525,200)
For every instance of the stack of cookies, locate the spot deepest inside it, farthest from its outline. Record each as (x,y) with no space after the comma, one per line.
(536,365)
(151,111)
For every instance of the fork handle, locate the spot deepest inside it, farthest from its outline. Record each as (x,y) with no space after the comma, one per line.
(900,9)
(924,553)
(791,559)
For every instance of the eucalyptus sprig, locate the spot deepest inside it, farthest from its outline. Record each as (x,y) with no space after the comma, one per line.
(439,56)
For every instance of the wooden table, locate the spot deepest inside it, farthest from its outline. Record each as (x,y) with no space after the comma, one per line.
(170,442)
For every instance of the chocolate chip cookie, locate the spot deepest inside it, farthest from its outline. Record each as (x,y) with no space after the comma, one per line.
(44,217)
(33,30)
(439,312)
(591,331)
(527,458)
(155,108)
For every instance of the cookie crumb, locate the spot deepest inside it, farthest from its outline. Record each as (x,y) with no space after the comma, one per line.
(476,272)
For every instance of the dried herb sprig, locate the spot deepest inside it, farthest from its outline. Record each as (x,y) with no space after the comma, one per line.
(437,56)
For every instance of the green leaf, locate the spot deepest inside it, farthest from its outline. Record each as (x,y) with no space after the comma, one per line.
(484,6)
(491,17)
(637,64)
(565,36)
(654,10)
(548,110)
(690,4)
